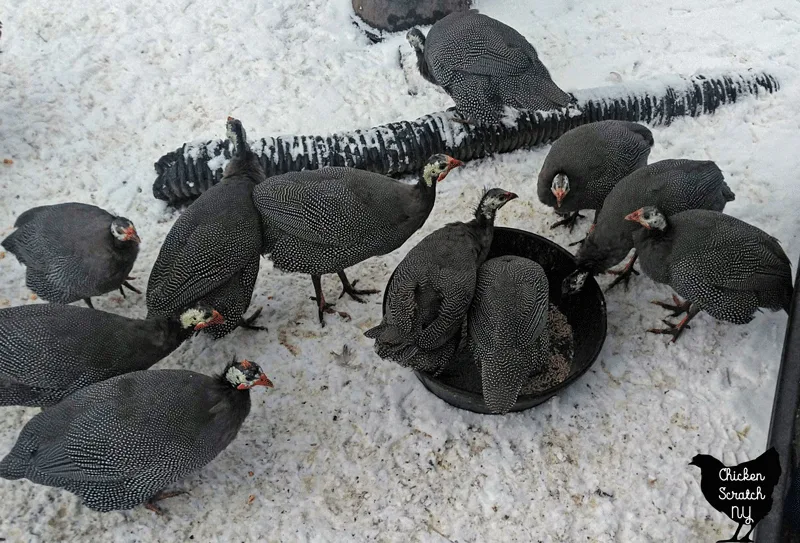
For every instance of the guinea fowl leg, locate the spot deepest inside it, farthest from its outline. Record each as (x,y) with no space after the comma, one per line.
(323,306)
(347,288)
(675,330)
(88,302)
(570,220)
(151,503)
(624,275)
(129,287)
(248,322)
(678,309)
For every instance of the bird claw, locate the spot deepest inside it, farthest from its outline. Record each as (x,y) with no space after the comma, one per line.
(130,287)
(678,308)
(327,307)
(673,330)
(570,220)
(355,293)
(579,242)
(151,503)
(248,322)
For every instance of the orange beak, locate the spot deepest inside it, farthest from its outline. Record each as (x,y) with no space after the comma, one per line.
(511,196)
(216,318)
(559,194)
(636,216)
(263,381)
(131,235)
(451,163)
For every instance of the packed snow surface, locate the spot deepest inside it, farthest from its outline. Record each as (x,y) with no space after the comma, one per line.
(348,447)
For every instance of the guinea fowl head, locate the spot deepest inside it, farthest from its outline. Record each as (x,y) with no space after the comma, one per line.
(573,283)
(245,375)
(122,229)
(244,161)
(416,39)
(650,217)
(492,200)
(560,188)
(437,168)
(200,316)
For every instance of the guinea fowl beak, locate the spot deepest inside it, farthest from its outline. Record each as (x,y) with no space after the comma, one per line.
(510,196)
(216,318)
(559,194)
(131,235)
(263,381)
(451,163)
(636,216)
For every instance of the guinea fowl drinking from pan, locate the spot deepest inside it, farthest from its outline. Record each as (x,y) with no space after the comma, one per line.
(119,443)
(484,65)
(74,251)
(672,186)
(324,221)
(48,351)
(430,293)
(584,164)
(212,252)
(717,263)
(507,324)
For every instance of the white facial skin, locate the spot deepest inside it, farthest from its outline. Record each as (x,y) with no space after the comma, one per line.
(124,231)
(236,377)
(414,40)
(431,172)
(653,218)
(576,282)
(192,317)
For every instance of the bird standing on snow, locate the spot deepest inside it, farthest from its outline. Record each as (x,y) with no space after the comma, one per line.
(672,186)
(717,263)
(118,443)
(212,252)
(74,251)
(748,486)
(484,65)
(326,220)
(584,164)
(507,325)
(428,298)
(48,351)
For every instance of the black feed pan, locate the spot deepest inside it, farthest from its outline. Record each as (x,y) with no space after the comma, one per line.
(585,312)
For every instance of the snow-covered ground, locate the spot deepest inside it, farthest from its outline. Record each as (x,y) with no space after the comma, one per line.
(354,448)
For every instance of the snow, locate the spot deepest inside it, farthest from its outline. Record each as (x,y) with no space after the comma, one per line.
(349,447)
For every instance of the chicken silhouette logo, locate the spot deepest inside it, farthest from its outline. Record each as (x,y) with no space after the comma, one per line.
(742,492)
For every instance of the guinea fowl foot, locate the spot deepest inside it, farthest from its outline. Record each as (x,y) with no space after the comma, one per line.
(129,287)
(151,503)
(325,307)
(247,323)
(623,275)
(579,242)
(570,220)
(88,301)
(678,309)
(347,288)
(675,330)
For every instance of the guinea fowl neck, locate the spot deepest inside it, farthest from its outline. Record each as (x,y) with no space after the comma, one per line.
(424,70)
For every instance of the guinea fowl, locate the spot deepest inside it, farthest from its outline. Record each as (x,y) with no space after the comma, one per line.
(484,65)
(48,351)
(119,443)
(672,186)
(430,293)
(584,164)
(326,220)
(212,252)
(74,251)
(717,263)
(507,324)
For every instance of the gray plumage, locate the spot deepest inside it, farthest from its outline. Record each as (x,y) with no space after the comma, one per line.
(118,443)
(485,65)
(323,221)
(212,252)
(725,266)
(432,288)
(73,251)
(507,321)
(589,160)
(671,185)
(48,351)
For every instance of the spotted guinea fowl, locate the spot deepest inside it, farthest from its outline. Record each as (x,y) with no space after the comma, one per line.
(212,252)
(672,186)
(48,351)
(324,221)
(119,443)
(717,263)
(507,324)
(584,164)
(484,65)
(74,251)
(431,290)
